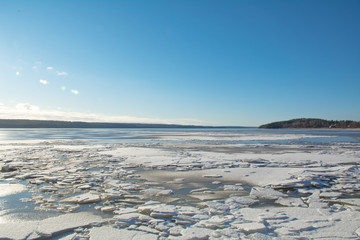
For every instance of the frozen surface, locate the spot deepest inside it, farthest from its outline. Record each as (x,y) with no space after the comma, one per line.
(9,189)
(182,184)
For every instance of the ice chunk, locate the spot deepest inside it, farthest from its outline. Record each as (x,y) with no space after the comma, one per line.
(148,229)
(233,188)
(217,207)
(291,202)
(166,192)
(199,190)
(156,192)
(203,196)
(127,217)
(108,209)
(240,202)
(267,193)
(52,226)
(176,231)
(216,222)
(158,210)
(83,198)
(8,168)
(109,233)
(358,232)
(196,233)
(260,236)
(125,211)
(212,176)
(330,194)
(48,227)
(349,201)
(17,230)
(250,227)
(48,189)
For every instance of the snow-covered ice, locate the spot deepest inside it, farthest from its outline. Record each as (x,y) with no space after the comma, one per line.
(9,189)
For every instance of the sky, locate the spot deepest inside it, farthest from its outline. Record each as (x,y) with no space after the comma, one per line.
(203,62)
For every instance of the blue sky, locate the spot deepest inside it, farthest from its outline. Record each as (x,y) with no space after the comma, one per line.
(190,62)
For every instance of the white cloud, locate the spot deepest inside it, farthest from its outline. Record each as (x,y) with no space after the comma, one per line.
(29,111)
(44,81)
(26,107)
(49,68)
(75,92)
(61,73)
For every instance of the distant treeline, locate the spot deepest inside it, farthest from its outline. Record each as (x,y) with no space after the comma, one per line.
(312,123)
(20,123)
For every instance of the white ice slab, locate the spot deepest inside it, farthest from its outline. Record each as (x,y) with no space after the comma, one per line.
(83,198)
(10,189)
(47,227)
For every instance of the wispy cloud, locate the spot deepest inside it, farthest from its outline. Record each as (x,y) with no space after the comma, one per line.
(59,73)
(29,111)
(49,68)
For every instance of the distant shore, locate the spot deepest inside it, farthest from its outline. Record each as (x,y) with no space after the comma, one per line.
(27,123)
(313,123)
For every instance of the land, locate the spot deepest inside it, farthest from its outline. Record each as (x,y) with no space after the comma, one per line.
(27,123)
(185,185)
(312,123)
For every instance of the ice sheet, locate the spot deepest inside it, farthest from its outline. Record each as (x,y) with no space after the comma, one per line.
(179,190)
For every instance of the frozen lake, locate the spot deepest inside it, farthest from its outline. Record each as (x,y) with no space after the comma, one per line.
(229,183)
(227,134)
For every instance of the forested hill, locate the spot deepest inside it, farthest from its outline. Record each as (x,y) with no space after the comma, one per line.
(312,123)
(23,123)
